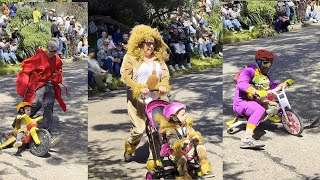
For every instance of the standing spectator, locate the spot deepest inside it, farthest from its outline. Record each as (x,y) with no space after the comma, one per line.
(52,15)
(36,15)
(66,23)
(55,33)
(72,34)
(100,41)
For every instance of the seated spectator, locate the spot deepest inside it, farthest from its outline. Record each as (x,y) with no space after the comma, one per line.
(8,51)
(83,46)
(202,47)
(125,38)
(4,31)
(101,77)
(234,17)
(105,58)
(311,14)
(117,36)
(216,47)
(181,55)
(282,23)
(118,55)
(15,35)
(111,43)
(104,36)
(290,10)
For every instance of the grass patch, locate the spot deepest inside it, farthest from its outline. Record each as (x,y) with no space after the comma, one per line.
(260,31)
(6,69)
(199,64)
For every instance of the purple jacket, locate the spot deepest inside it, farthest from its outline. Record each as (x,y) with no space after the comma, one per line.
(244,84)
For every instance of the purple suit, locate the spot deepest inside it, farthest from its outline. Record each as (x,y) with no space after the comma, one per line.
(244,106)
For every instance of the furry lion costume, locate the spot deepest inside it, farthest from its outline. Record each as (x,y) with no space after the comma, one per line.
(132,63)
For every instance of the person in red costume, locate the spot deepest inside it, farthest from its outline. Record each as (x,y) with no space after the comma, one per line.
(38,84)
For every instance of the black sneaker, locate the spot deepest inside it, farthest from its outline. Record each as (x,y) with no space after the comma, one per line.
(250,143)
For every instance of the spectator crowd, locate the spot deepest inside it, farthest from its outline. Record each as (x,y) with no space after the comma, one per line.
(70,35)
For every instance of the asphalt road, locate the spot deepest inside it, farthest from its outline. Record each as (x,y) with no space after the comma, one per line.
(109,126)
(284,156)
(69,159)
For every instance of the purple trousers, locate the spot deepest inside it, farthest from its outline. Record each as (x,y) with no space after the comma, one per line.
(251,109)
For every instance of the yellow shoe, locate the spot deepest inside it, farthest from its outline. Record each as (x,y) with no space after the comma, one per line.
(205,167)
(235,119)
(151,164)
(185,177)
(275,119)
(129,150)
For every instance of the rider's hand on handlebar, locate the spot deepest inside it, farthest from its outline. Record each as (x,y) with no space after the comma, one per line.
(162,89)
(288,82)
(261,94)
(145,90)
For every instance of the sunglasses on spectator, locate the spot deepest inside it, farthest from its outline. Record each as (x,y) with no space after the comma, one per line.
(150,43)
(266,64)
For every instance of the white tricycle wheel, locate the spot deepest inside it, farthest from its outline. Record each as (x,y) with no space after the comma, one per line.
(293,124)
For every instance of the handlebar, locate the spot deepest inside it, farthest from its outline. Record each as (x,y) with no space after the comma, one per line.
(143,97)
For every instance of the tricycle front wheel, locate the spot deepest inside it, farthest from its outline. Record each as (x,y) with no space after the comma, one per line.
(293,124)
(44,146)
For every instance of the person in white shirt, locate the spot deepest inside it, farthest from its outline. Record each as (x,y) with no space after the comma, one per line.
(181,55)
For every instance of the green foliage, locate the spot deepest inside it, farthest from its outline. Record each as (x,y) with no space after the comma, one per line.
(8,69)
(256,12)
(25,13)
(214,19)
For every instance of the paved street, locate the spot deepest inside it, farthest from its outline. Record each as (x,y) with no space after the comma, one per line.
(69,159)
(109,125)
(284,156)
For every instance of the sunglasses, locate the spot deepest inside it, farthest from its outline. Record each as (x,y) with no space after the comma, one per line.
(266,64)
(150,43)
(53,51)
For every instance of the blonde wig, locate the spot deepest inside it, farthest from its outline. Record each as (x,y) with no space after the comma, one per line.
(141,34)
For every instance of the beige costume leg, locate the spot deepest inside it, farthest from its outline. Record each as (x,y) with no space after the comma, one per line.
(204,162)
(181,162)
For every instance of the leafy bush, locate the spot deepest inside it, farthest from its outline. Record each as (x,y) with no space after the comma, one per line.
(214,19)
(25,13)
(255,12)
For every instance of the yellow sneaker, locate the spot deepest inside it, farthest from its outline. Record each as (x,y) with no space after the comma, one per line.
(129,150)
(151,164)
(275,119)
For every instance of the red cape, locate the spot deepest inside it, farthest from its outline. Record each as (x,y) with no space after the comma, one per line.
(37,70)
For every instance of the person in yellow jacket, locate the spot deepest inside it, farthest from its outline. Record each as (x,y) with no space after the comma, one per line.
(36,15)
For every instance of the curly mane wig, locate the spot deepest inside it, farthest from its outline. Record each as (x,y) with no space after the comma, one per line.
(142,33)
